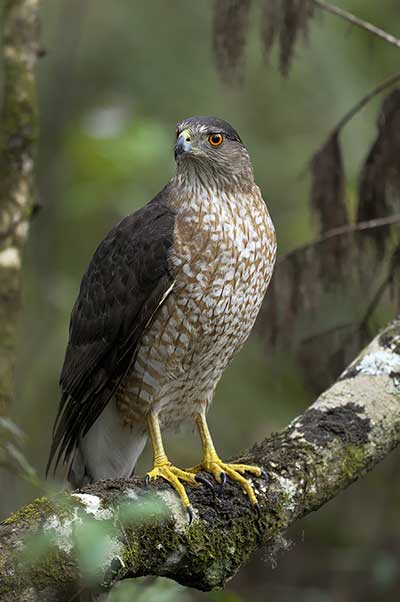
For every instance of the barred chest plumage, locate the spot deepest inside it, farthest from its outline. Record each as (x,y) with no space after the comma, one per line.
(223,256)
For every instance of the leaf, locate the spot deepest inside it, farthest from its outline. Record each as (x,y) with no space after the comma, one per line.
(328,205)
(281,20)
(270,23)
(317,303)
(231,19)
(327,189)
(159,590)
(379,187)
(95,541)
(139,510)
(296,16)
(9,428)
(11,456)
(36,548)
(24,468)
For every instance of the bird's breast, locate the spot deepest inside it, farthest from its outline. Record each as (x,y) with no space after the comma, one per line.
(222,260)
(223,257)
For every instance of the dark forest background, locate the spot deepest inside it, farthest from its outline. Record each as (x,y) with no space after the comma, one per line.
(115,79)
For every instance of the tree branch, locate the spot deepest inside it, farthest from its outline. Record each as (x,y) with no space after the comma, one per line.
(352,112)
(18,121)
(344,14)
(350,428)
(379,222)
(381,87)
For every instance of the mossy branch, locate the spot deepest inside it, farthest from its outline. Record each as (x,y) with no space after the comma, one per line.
(18,123)
(351,427)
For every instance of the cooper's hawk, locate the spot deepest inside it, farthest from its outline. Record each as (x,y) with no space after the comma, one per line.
(169,297)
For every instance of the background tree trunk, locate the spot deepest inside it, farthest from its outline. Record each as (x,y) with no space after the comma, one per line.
(18,124)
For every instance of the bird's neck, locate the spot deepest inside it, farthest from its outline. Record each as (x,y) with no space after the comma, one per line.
(190,181)
(185,197)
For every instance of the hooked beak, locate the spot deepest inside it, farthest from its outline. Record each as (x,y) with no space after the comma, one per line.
(183,145)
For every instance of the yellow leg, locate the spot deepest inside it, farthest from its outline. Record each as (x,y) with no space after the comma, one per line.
(213,464)
(162,466)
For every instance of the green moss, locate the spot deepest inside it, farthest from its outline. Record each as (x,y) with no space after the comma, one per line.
(55,567)
(41,508)
(217,554)
(353,461)
(39,562)
(208,555)
(130,555)
(31,513)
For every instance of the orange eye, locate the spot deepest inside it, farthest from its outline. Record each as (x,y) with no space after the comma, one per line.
(215,139)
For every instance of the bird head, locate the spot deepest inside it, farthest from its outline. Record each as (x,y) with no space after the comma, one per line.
(210,150)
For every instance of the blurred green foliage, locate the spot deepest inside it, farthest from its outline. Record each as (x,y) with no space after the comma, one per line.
(116,78)
(12,458)
(140,509)
(140,590)
(95,534)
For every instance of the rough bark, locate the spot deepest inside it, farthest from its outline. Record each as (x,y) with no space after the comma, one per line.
(350,427)
(18,121)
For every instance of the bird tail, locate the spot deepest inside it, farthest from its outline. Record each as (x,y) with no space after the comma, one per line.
(109,450)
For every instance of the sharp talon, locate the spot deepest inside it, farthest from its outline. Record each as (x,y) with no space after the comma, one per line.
(190,514)
(116,564)
(264,474)
(147,480)
(222,470)
(205,482)
(257,509)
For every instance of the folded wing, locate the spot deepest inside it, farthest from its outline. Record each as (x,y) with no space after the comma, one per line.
(127,281)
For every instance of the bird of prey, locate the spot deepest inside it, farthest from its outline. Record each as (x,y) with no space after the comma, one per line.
(169,297)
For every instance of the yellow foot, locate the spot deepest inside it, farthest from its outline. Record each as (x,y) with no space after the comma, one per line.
(174,476)
(221,470)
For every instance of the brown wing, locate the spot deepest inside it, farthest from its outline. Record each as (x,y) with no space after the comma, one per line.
(127,280)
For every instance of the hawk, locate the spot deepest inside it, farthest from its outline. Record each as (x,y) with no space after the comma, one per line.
(169,297)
